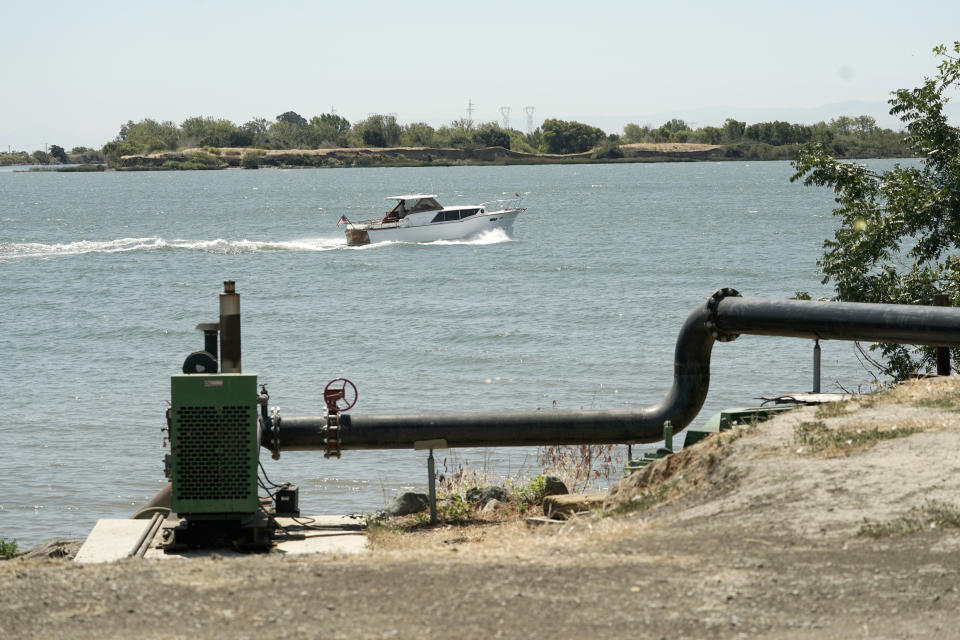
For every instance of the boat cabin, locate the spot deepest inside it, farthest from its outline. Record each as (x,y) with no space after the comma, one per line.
(411,204)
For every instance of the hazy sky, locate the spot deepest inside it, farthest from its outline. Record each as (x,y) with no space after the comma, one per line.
(73,72)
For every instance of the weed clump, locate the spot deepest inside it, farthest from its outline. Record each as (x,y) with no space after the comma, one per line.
(944,403)
(579,465)
(931,516)
(817,438)
(8,548)
(831,410)
(648,499)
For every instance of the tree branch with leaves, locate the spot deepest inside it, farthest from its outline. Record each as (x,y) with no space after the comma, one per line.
(899,235)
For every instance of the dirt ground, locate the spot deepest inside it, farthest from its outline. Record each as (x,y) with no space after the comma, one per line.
(833,522)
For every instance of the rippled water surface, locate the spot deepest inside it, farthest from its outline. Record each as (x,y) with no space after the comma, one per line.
(103,278)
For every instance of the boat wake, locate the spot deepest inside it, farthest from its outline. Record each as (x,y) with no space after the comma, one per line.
(17,250)
(494,236)
(14,250)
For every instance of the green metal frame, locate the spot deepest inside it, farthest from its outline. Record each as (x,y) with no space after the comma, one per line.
(214,443)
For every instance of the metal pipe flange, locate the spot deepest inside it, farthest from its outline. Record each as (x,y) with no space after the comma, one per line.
(712,325)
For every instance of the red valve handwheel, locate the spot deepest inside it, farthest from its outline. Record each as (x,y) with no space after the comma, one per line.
(340,394)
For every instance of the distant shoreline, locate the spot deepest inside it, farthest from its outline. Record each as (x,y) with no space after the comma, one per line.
(223,158)
(212,158)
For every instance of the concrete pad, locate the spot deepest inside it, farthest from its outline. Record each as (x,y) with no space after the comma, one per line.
(321,534)
(111,539)
(114,539)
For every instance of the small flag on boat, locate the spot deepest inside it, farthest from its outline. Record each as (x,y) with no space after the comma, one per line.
(342,220)
(517,194)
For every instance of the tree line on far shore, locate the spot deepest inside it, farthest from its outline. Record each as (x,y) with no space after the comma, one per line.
(55,154)
(845,136)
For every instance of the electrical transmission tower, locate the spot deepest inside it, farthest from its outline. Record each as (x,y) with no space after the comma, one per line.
(529,111)
(470,109)
(505,112)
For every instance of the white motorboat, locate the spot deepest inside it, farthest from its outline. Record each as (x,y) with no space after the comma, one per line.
(420,218)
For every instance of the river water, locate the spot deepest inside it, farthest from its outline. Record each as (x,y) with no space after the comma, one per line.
(103,278)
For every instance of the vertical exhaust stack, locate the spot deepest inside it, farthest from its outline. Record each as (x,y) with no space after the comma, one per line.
(230,329)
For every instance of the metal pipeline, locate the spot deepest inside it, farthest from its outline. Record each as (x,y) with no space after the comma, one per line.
(723,317)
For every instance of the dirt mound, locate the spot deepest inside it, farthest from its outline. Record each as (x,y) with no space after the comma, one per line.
(838,469)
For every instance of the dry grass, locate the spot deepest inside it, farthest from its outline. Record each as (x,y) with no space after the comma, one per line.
(581,467)
(924,390)
(818,439)
(580,541)
(835,409)
(933,515)
(674,476)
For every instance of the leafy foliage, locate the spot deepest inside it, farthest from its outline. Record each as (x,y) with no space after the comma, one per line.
(212,132)
(848,136)
(417,134)
(8,548)
(455,510)
(17,157)
(899,232)
(292,117)
(532,492)
(560,136)
(58,153)
(379,131)
(491,135)
(149,135)
(855,137)
(326,131)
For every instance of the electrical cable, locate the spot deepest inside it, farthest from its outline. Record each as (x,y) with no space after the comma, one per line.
(265,488)
(267,478)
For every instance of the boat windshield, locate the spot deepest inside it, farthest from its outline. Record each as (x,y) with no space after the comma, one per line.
(397,212)
(425,204)
(401,209)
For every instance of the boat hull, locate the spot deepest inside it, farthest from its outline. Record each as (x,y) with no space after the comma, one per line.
(358,235)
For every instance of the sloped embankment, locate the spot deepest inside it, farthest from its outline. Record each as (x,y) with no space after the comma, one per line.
(840,469)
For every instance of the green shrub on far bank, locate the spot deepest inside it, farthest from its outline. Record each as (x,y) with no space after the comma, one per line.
(9,159)
(83,168)
(761,151)
(198,160)
(606,151)
(250,160)
(80,168)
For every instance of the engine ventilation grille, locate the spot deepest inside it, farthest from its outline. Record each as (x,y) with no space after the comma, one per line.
(214,443)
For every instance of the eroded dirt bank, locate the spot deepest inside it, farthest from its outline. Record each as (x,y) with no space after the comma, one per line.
(837,522)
